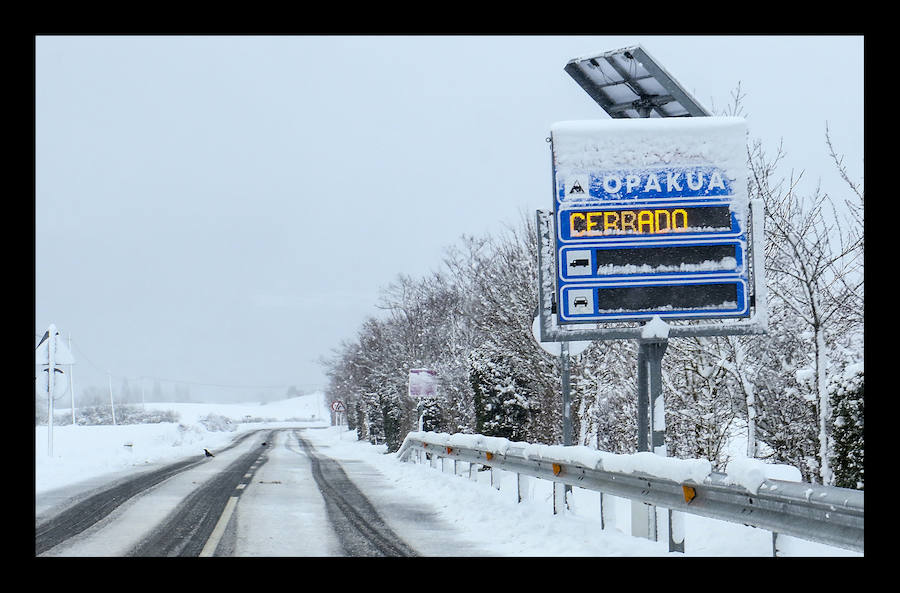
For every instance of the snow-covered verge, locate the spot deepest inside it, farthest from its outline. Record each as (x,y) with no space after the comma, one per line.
(499,522)
(85,452)
(493,518)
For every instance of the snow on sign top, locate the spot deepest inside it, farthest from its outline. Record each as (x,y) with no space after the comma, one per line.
(651,218)
(635,145)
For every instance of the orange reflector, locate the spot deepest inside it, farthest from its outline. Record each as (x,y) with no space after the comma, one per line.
(557,469)
(689,493)
(489,456)
(449,450)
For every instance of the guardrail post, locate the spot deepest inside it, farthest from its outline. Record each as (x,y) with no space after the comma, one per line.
(656,349)
(559,497)
(522,487)
(607,514)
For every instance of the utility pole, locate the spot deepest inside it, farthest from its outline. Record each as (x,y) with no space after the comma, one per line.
(112,404)
(72,382)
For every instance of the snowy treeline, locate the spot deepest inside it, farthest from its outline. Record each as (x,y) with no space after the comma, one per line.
(794,395)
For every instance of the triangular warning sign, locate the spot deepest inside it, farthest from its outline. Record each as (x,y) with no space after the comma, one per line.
(61,354)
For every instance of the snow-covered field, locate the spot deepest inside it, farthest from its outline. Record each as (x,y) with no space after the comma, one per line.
(490,518)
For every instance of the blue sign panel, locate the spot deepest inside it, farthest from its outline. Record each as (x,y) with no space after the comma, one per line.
(664,183)
(663,238)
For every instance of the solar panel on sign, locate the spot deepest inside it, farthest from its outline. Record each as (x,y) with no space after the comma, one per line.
(629,83)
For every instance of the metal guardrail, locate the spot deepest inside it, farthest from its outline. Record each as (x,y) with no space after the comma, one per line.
(824,514)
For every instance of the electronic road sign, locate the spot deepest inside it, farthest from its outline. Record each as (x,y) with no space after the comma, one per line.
(651,219)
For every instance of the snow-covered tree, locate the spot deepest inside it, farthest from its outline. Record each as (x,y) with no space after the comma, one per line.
(501,406)
(699,392)
(498,277)
(847,392)
(814,272)
(604,387)
(431,410)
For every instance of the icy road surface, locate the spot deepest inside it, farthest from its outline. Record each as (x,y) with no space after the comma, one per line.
(273,494)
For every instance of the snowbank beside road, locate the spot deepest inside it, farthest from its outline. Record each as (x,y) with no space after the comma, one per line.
(490,518)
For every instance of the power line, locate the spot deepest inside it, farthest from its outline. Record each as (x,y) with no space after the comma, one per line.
(183,381)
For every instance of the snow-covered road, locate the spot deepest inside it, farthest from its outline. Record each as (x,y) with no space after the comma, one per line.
(281,511)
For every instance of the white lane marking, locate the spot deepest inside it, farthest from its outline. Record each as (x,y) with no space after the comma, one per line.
(219,529)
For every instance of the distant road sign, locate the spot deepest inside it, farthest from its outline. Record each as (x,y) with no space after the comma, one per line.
(338,406)
(651,219)
(422,383)
(60,384)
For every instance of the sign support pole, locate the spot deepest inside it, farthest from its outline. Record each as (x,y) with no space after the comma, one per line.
(643,516)
(657,349)
(51,377)
(52,354)
(560,500)
(652,437)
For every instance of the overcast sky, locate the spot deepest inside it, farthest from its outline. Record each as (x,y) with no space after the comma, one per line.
(223,210)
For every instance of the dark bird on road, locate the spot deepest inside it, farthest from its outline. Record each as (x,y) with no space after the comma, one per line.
(208,454)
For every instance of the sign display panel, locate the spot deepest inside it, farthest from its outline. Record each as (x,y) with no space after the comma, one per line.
(651,219)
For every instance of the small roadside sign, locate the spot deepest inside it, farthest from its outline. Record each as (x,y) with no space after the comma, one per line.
(61,353)
(422,383)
